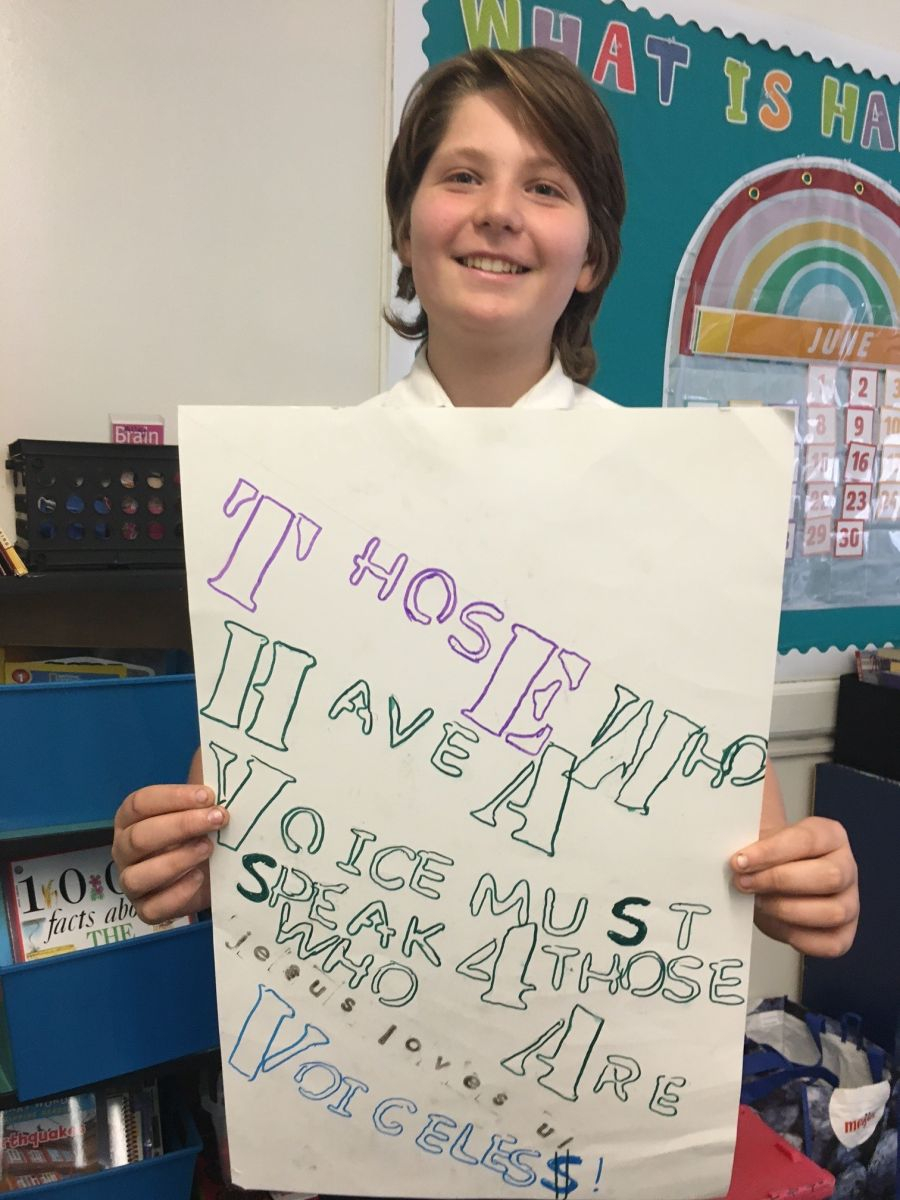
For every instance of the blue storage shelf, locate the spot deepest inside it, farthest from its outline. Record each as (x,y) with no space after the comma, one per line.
(81,747)
(78,1019)
(84,1017)
(165,1178)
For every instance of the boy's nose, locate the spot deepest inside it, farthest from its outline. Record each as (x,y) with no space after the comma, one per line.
(499,209)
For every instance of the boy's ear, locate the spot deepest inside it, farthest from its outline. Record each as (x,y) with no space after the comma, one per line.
(403,249)
(588,277)
(594,270)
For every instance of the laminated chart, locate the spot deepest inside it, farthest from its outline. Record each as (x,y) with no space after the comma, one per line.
(789,296)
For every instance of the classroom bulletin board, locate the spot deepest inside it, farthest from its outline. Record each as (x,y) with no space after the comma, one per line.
(761,264)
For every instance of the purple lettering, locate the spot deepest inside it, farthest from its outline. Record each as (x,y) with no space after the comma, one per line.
(524,657)
(575,667)
(258,543)
(411,598)
(528,734)
(877,123)
(480,608)
(567,41)
(389,576)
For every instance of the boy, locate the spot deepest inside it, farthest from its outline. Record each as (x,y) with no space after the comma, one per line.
(506,197)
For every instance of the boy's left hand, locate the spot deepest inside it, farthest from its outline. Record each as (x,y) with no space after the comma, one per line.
(804,879)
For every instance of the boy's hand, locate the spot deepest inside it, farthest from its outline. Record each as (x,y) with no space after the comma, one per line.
(162,845)
(804,879)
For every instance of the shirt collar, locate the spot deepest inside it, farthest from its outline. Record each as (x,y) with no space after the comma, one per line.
(555,390)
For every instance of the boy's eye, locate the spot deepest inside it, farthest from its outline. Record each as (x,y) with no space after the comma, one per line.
(461,177)
(548,189)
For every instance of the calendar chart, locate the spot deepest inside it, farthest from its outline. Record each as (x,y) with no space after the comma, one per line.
(789,295)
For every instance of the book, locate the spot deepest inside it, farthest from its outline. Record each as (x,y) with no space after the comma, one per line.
(123,1134)
(60,672)
(881,667)
(128,661)
(130,1127)
(146,1103)
(48,1141)
(10,558)
(60,903)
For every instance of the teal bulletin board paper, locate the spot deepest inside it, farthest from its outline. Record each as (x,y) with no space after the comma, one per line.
(694,111)
(842,628)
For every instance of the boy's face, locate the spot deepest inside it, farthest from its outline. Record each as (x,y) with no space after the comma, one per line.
(498,231)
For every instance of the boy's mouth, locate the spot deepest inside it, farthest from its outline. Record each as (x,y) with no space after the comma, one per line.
(496,266)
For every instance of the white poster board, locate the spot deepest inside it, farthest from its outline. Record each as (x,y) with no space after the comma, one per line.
(487,696)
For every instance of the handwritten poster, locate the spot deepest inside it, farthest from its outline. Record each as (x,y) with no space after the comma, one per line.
(474,929)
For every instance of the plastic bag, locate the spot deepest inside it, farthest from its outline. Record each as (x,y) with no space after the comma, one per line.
(829,1092)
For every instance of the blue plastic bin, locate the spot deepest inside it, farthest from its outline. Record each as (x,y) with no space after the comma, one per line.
(85,1017)
(166,1178)
(79,1018)
(79,748)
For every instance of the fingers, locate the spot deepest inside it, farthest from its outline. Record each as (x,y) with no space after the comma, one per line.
(157,801)
(804,878)
(161,846)
(187,894)
(162,870)
(817,912)
(821,943)
(813,837)
(141,837)
(824,876)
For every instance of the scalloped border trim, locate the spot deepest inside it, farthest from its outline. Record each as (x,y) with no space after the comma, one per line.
(802,665)
(733,19)
(835,630)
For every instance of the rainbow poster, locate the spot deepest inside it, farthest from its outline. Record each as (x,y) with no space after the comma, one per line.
(805,240)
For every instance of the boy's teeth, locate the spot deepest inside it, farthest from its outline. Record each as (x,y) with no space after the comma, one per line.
(497,265)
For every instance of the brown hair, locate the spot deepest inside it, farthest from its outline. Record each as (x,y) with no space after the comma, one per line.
(557,107)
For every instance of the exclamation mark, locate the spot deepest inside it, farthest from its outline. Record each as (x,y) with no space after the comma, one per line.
(599,1173)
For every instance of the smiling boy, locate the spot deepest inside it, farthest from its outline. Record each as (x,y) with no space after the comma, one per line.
(506,196)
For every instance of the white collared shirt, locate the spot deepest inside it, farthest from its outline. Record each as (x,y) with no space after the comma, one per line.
(556,390)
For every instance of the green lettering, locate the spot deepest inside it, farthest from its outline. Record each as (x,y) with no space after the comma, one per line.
(493,23)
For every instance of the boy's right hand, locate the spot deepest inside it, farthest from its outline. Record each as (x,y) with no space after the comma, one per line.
(161,845)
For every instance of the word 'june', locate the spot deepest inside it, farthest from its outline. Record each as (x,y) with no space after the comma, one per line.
(636,749)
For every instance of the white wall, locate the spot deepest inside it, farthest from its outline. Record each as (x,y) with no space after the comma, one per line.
(873,21)
(191,212)
(191,203)
(191,206)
